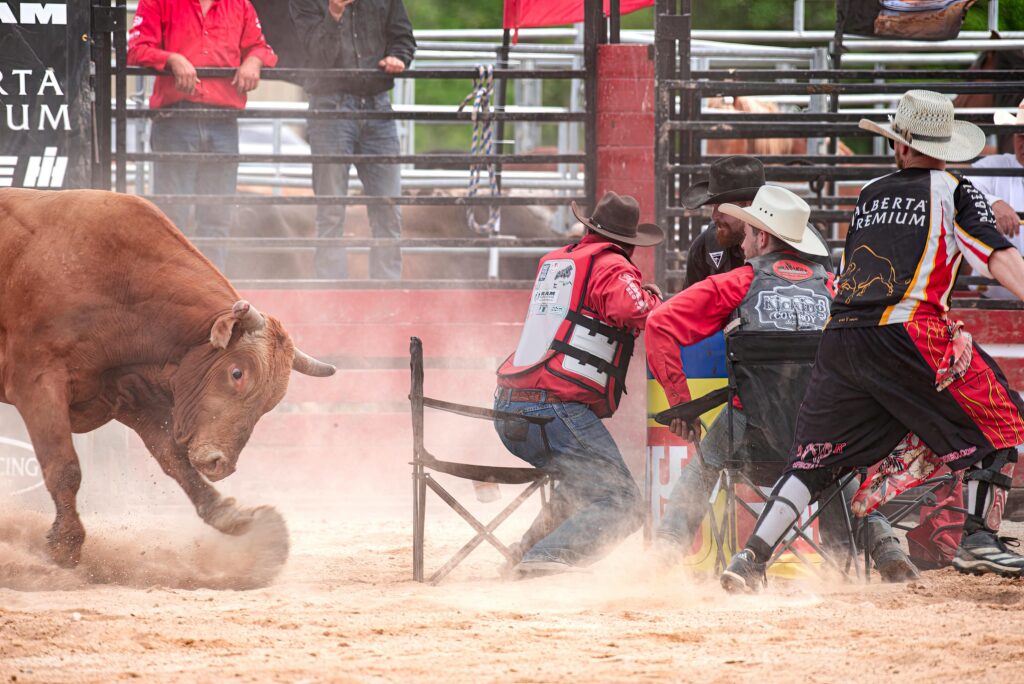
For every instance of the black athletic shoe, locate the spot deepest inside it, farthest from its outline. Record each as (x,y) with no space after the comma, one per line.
(744,574)
(982,552)
(892,563)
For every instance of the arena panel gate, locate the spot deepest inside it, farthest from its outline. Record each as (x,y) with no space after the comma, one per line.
(688,130)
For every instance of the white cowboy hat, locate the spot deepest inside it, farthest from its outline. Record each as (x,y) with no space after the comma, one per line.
(1010,118)
(924,121)
(778,211)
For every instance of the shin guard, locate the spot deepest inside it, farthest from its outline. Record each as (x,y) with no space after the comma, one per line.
(988,484)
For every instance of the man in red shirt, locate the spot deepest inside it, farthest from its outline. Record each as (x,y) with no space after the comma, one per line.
(177,36)
(586,308)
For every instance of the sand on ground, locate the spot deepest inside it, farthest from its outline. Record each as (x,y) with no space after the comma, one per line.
(149,602)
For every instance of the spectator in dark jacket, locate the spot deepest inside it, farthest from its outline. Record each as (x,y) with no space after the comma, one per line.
(355,34)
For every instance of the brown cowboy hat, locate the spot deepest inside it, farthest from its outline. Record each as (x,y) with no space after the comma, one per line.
(618,217)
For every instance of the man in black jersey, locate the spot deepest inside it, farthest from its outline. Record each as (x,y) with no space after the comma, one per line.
(890,362)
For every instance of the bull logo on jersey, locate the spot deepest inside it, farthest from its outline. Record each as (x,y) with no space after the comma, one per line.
(866,269)
(792,308)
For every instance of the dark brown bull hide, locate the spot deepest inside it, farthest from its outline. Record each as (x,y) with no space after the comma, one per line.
(108,313)
(418,221)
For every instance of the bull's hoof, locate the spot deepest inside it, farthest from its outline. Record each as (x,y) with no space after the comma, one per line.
(229,518)
(65,540)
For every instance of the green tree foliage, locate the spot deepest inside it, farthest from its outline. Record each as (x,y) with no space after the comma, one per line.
(1011,16)
(761,14)
(445,14)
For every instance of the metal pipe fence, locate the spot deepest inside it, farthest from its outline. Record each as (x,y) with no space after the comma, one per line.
(529,60)
(812,100)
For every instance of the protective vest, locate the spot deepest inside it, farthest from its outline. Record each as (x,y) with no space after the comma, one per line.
(788,292)
(567,338)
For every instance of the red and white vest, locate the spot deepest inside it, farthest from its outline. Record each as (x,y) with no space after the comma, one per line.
(567,338)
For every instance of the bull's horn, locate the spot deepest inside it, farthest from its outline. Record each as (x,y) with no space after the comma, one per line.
(307,365)
(248,315)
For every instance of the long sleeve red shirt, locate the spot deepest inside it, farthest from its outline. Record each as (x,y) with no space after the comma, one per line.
(697,312)
(615,293)
(228,34)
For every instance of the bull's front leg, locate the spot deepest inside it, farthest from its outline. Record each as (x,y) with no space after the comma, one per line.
(43,405)
(219,512)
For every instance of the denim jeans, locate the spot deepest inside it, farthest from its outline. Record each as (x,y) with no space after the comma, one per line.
(689,501)
(596,502)
(355,136)
(197,178)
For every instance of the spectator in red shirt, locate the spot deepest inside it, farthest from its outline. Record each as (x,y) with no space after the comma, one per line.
(177,36)
(586,308)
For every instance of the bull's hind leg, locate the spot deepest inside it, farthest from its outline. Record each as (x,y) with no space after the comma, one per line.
(217,511)
(43,406)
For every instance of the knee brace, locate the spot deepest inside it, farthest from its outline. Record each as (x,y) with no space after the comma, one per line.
(988,484)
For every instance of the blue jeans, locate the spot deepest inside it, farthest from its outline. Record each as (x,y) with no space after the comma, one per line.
(195,178)
(353,136)
(690,501)
(596,502)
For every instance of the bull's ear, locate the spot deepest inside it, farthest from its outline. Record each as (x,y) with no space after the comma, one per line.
(220,334)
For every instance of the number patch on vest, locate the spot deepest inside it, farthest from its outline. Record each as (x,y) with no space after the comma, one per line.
(549,303)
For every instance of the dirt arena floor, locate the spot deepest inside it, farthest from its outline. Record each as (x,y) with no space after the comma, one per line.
(149,602)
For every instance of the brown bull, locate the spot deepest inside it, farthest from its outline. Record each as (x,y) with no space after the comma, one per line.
(108,313)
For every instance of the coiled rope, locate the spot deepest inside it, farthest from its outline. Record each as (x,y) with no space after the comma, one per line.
(482,144)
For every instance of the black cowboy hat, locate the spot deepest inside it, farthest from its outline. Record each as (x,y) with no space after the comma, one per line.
(733,179)
(618,217)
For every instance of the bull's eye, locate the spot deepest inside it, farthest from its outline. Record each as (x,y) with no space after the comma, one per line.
(237,373)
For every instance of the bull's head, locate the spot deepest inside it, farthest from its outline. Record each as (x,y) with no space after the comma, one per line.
(222,388)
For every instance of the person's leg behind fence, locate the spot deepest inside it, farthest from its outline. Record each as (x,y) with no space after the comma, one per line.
(690,499)
(217,178)
(175,134)
(331,136)
(382,180)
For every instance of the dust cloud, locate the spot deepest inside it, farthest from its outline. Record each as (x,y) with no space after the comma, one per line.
(182,554)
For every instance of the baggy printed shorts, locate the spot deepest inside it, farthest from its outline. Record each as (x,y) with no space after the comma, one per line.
(872,385)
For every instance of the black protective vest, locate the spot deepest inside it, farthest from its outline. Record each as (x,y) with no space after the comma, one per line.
(789,297)
(789,292)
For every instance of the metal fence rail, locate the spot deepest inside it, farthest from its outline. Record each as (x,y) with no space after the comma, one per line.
(437,58)
(820,94)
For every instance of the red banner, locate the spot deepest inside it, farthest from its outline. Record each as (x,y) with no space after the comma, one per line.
(534,13)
